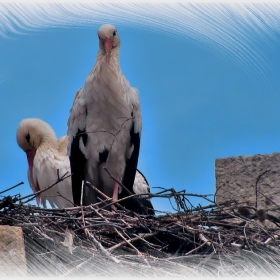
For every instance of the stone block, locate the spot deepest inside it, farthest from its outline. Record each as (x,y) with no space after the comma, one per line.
(12,252)
(249,180)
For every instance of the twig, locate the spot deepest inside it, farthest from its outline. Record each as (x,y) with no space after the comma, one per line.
(101,248)
(256,186)
(117,181)
(128,242)
(88,184)
(120,129)
(114,227)
(28,224)
(131,240)
(81,203)
(39,192)
(244,230)
(203,238)
(12,187)
(43,234)
(7,201)
(190,252)
(271,239)
(65,198)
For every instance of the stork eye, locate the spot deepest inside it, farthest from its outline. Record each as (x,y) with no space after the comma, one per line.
(115,33)
(27,137)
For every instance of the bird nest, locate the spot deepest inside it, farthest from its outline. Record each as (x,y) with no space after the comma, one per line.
(92,240)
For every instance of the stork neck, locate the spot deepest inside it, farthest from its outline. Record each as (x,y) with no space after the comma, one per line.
(114,59)
(49,142)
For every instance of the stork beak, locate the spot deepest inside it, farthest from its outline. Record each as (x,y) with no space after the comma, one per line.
(108,45)
(30,157)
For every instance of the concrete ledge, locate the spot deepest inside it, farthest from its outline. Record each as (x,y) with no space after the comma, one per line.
(12,252)
(249,180)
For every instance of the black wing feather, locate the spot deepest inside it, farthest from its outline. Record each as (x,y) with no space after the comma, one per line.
(77,163)
(138,205)
(131,163)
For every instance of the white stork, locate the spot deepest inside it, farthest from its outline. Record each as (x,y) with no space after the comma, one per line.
(104,126)
(45,154)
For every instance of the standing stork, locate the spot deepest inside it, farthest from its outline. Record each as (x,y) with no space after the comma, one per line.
(104,126)
(45,155)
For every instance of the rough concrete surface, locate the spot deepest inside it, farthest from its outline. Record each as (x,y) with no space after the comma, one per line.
(12,252)
(249,180)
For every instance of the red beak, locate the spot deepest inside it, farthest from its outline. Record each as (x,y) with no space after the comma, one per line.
(30,158)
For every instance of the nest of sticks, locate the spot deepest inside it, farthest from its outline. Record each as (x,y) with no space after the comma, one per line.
(66,241)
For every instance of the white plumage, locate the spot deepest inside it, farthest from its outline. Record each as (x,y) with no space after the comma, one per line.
(45,154)
(141,185)
(104,126)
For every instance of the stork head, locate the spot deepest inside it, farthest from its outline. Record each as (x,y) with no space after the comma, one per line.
(108,39)
(30,134)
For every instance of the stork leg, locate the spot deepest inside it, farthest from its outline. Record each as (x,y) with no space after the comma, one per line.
(115,192)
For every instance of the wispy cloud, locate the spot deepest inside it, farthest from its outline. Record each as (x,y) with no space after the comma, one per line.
(244,31)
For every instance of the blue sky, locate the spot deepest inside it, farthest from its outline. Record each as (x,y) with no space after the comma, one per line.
(208,79)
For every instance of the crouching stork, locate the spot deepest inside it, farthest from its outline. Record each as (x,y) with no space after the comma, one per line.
(45,155)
